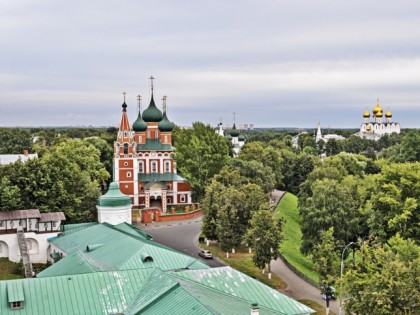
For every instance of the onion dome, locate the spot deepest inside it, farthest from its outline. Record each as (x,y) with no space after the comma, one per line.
(152,113)
(368,128)
(114,197)
(165,124)
(241,138)
(388,114)
(366,114)
(228,137)
(377,109)
(379,114)
(234,132)
(139,125)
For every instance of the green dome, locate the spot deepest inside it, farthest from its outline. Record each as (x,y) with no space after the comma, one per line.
(139,124)
(229,137)
(114,197)
(152,113)
(165,124)
(241,138)
(234,132)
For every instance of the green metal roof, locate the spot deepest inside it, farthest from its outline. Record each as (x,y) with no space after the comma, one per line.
(152,113)
(230,282)
(139,125)
(154,145)
(93,293)
(160,177)
(114,197)
(165,125)
(15,292)
(123,248)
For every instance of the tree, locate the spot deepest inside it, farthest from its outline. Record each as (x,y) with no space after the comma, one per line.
(385,280)
(395,203)
(264,236)
(9,196)
(200,154)
(332,147)
(14,141)
(296,168)
(325,258)
(332,204)
(410,146)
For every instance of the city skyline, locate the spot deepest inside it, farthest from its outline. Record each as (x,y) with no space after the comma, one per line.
(274,63)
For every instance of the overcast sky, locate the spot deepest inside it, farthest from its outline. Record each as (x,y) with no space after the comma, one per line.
(275,63)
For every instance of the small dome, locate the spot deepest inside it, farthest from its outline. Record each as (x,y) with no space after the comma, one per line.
(388,114)
(165,124)
(377,109)
(114,197)
(139,125)
(234,132)
(368,128)
(379,114)
(241,138)
(228,137)
(152,113)
(366,114)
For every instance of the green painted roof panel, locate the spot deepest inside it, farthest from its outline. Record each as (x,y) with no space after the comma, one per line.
(114,197)
(154,145)
(15,292)
(231,282)
(94,293)
(160,177)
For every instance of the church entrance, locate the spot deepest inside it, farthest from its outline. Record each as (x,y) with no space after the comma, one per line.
(156,202)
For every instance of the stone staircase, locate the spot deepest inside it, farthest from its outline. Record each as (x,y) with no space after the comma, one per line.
(24,252)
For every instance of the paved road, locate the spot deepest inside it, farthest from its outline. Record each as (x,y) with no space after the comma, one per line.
(180,235)
(183,236)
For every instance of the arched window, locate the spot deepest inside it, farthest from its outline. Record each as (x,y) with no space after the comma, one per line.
(166,139)
(140,138)
(125,148)
(148,134)
(167,166)
(156,134)
(141,167)
(154,167)
(128,174)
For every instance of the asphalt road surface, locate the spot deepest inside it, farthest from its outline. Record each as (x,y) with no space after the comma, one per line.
(182,236)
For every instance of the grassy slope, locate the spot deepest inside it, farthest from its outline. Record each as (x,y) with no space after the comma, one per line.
(6,269)
(242,261)
(290,248)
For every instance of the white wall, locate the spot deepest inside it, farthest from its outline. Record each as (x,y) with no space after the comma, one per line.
(114,215)
(38,246)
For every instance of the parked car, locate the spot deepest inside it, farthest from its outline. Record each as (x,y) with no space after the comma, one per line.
(205,254)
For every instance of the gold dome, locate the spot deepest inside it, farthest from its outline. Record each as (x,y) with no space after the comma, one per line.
(379,114)
(377,109)
(368,128)
(388,114)
(366,114)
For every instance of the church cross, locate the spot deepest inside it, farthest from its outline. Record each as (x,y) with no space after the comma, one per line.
(139,102)
(151,83)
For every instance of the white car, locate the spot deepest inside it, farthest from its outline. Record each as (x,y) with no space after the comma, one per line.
(205,254)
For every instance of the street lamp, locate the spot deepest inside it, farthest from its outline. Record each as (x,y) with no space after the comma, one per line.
(341,275)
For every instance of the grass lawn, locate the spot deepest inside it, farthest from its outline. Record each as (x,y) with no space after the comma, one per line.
(6,269)
(290,247)
(242,261)
(320,310)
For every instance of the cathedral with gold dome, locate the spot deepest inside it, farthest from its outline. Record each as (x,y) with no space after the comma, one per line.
(377,127)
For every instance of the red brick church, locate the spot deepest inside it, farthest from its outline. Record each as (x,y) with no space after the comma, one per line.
(143,159)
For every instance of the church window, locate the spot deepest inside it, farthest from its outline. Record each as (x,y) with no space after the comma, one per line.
(148,134)
(141,167)
(125,148)
(128,174)
(125,163)
(167,166)
(140,138)
(125,134)
(182,198)
(166,139)
(156,134)
(126,186)
(154,167)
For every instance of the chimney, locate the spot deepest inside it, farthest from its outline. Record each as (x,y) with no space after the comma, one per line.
(255,309)
(25,152)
